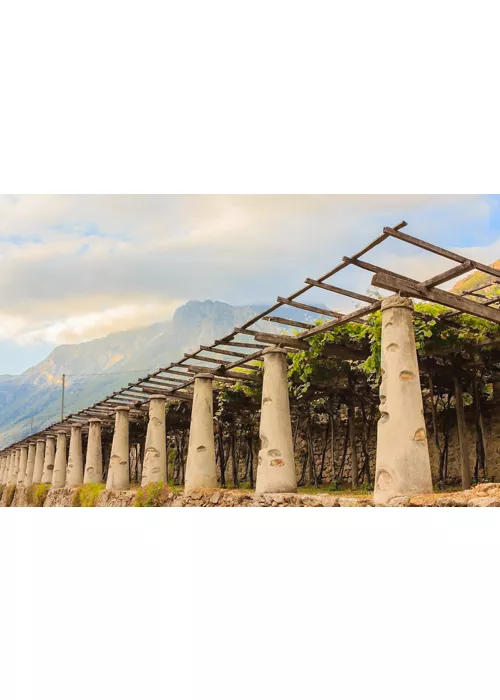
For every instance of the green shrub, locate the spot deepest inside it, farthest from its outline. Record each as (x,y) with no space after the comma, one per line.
(9,494)
(86,496)
(36,494)
(152,495)
(2,489)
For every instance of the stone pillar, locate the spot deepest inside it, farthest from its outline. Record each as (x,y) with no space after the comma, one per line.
(30,466)
(60,463)
(154,466)
(48,462)
(23,463)
(276,467)
(3,464)
(74,472)
(6,474)
(118,475)
(402,465)
(39,461)
(201,470)
(93,461)
(14,467)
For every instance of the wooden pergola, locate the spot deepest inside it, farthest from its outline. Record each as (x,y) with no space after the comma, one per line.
(231,359)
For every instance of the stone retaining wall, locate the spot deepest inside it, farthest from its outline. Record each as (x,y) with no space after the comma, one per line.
(482,495)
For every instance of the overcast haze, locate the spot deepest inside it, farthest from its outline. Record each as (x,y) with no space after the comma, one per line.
(76,267)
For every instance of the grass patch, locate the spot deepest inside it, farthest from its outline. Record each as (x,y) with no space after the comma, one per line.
(9,494)
(152,496)
(36,495)
(86,496)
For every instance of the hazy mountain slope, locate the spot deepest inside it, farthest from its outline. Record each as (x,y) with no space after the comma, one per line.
(95,369)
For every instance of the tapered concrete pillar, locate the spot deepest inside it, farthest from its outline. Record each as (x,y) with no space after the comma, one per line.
(8,464)
(93,461)
(49,459)
(118,471)
(30,466)
(74,472)
(14,468)
(23,463)
(154,467)
(276,467)
(39,460)
(201,470)
(402,465)
(60,461)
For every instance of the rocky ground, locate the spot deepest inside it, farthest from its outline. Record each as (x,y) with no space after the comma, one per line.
(483,495)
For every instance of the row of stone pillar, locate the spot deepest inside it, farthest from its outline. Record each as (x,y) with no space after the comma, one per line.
(402,465)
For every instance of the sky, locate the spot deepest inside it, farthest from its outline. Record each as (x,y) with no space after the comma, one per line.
(77,267)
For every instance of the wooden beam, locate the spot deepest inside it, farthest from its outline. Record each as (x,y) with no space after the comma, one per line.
(229,353)
(236,344)
(414,289)
(348,318)
(442,251)
(287,322)
(308,307)
(339,290)
(329,350)
(447,275)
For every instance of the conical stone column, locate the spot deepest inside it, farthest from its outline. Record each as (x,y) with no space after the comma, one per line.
(276,467)
(49,459)
(201,470)
(74,472)
(30,466)
(93,461)
(39,460)
(23,463)
(154,467)
(60,463)
(14,468)
(8,465)
(118,475)
(402,465)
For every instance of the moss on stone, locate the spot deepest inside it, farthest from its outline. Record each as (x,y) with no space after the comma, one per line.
(36,495)
(152,496)
(9,494)
(86,496)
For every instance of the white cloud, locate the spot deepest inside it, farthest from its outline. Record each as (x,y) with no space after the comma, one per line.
(76,267)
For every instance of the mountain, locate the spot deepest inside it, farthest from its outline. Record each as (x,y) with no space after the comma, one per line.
(31,401)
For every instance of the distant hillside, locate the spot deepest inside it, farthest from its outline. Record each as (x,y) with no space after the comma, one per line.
(474,280)
(31,401)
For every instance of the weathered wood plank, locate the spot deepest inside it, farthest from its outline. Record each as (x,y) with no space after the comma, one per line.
(339,290)
(287,322)
(413,288)
(308,307)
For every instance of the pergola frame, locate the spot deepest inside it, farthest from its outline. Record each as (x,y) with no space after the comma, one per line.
(175,380)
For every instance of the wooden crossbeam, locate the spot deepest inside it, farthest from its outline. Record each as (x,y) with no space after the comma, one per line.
(413,288)
(329,350)
(308,307)
(236,344)
(430,247)
(447,275)
(348,318)
(287,322)
(339,290)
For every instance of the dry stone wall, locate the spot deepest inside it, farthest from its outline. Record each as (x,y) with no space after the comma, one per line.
(483,495)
